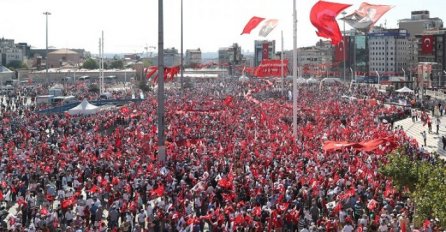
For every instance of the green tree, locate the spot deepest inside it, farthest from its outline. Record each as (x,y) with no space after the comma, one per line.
(90,64)
(15,64)
(425,180)
(117,64)
(144,86)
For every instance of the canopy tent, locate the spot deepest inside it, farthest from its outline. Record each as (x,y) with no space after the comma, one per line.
(331,80)
(85,108)
(243,78)
(301,80)
(312,80)
(404,90)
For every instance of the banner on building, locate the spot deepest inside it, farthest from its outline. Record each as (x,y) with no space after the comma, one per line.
(427,45)
(340,54)
(265,51)
(271,68)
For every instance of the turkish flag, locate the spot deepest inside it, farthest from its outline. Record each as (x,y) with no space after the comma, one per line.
(68,202)
(427,46)
(227,101)
(340,48)
(253,23)
(323,17)
(265,51)
(159,192)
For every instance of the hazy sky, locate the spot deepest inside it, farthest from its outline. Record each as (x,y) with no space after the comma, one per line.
(131,25)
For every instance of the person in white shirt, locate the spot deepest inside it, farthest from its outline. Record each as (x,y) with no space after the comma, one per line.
(348,228)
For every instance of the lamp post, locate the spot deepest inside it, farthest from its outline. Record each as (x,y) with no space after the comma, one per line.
(294,70)
(404,71)
(182,55)
(46,13)
(160,97)
(343,45)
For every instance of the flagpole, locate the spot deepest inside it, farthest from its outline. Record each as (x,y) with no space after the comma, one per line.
(182,59)
(294,70)
(161,147)
(281,62)
(343,43)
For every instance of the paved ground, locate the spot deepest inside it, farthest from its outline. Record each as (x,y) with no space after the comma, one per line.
(434,143)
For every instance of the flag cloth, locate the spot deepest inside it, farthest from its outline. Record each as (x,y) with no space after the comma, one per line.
(265,51)
(366,16)
(268,26)
(340,48)
(253,23)
(271,68)
(323,17)
(427,47)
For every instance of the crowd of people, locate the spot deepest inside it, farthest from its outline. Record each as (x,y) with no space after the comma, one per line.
(232,164)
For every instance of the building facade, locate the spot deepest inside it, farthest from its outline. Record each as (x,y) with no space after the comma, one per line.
(264,49)
(417,24)
(193,58)
(316,60)
(389,52)
(432,49)
(64,58)
(10,52)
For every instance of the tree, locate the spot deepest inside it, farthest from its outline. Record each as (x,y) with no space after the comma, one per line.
(94,88)
(144,86)
(15,64)
(117,64)
(426,181)
(90,64)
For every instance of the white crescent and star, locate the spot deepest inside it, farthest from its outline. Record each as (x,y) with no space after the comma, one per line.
(427,44)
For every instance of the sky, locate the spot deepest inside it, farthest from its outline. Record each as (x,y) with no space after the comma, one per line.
(130,26)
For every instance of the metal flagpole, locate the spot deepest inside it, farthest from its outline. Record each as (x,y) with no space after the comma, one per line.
(100,65)
(102,60)
(161,147)
(46,57)
(294,70)
(281,62)
(343,45)
(182,54)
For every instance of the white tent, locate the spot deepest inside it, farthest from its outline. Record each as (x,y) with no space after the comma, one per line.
(85,108)
(243,78)
(404,90)
(331,80)
(301,80)
(312,80)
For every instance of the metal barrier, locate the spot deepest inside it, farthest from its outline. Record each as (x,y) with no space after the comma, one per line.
(66,107)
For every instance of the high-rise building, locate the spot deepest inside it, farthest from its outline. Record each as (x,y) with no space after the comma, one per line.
(193,57)
(417,24)
(9,52)
(230,57)
(316,60)
(264,49)
(389,51)
(432,49)
(171,58)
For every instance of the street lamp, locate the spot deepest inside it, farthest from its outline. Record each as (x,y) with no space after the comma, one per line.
(46,13)
(343,45)
(404,71)
(182,55)
(160,111)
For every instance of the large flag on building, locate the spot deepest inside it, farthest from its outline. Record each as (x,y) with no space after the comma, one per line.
(271,68)
(323,17)
(366,16)
(252,23)
(268,26)
(341,50)
(427,47)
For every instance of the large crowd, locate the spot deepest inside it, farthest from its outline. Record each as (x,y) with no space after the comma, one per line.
(232,164)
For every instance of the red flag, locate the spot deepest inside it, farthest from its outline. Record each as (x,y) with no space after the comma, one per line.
(253,23)
(1,196)
(323,17)
(66,203)
(427,44)
(124,110)
(227,101)
(265,51)
(159,192)
(44,211)
(341,50)
(152,70)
